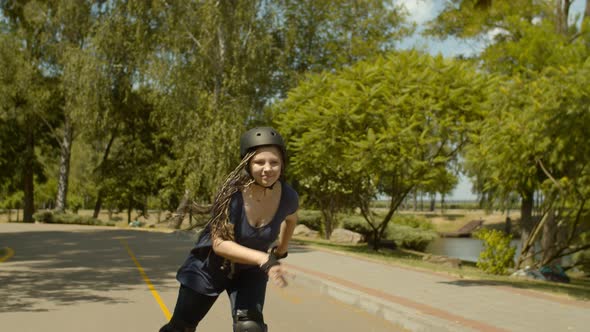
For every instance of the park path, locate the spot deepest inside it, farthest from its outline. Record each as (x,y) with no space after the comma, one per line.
(61,278)
(428,301)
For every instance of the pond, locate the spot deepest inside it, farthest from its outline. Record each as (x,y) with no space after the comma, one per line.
(466,249)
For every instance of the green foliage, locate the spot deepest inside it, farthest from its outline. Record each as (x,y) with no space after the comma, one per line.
(384,125)
(497,255)
(12,201)
(531,139)
(67,218)
(523,35)
(407,231)
(411,238)
(310,218)
(157,93)
(75,203)
(413,221)
(582,261)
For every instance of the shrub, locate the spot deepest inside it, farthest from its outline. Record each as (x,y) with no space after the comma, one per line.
(65,218)
(358,226)
(497,254)
(582,261)
(404,236)
(310,218)
(409,237)
(75,203)
(43,216)
(413,221)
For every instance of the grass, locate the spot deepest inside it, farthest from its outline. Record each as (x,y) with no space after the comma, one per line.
(468,274)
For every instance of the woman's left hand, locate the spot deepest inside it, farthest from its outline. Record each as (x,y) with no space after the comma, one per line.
(278,275)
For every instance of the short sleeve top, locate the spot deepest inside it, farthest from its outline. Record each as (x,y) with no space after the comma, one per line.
(202,271)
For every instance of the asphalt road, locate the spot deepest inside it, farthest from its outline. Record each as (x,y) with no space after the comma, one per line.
(58,278)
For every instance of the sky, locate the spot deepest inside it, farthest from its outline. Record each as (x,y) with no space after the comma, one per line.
(421,11)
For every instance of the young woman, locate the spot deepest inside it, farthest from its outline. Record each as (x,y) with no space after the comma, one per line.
(253,210)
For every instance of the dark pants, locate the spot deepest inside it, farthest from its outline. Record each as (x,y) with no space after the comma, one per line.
(246,291)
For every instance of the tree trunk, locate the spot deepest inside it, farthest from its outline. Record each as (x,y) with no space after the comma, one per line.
(421,202)
(178,217)
(549,239)
(526,223)
(415,199)
(432,203)
(328,215)
(563,8)
(98,205)
(105,157)
(376,243)
(28,178)
(64,166)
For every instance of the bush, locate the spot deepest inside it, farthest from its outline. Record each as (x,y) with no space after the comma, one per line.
(75,203)
(404,236)
(43,216)
(410,237)
(358,226)
(582,261)
(65,218)
(413,221)
(497,255)
(310,218)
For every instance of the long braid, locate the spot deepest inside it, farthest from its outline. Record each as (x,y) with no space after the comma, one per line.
(236,180)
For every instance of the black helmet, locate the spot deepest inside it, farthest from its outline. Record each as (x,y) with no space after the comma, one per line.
(261,136)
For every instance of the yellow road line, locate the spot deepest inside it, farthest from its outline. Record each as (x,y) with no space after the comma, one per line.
(147,281)
(9,253)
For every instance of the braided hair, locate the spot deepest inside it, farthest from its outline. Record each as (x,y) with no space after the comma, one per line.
(238,179)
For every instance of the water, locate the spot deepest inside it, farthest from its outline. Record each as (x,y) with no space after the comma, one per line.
(466,249)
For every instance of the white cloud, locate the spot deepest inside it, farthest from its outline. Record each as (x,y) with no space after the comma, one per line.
(420,10)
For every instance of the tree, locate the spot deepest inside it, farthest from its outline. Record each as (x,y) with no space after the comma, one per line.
(561,158)
(328,35)
(27,91)
(381,126)
(529,37)
(215,78)
(209,84)
(70,29)
(116,60)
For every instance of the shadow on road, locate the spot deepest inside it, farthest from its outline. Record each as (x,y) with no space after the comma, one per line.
(73,266)
(66,268)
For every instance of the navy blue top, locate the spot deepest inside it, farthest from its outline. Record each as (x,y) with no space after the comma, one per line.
(202,271)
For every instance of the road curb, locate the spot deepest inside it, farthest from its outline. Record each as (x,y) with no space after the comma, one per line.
(406,313)
(405,317)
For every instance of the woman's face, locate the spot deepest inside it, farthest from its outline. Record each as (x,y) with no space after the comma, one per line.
(266,165)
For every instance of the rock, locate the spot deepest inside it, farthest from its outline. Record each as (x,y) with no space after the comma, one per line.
(443,260)
(528,273)
(302,230)
(342,235)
